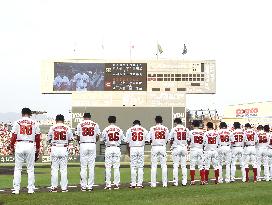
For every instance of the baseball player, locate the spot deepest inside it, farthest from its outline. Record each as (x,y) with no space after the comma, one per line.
(178,139)
(269,149)
(81,80)
(158,137)
(135,138)
(25,132)
(224,151)
(237,151)
(112,136)
(59,136)
(88,133)
(211,141)
(251,140)
(196,152)
(261,150)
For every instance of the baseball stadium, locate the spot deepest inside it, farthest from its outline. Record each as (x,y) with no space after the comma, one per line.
(132,133)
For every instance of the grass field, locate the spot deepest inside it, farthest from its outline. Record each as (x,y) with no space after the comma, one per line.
(225,194)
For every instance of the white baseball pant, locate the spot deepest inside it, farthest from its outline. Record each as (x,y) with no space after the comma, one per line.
(179,154)
(158,153)
(224,157)
(196,158)
(59,158)
(112,159)
(262,158)
(137,164)
(237,153)
(87,160)
(24,151)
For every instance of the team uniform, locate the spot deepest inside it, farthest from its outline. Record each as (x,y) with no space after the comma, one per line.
(136,137)
(179,137)
(81,81)
(237,152)
(196,154)
(25,133)
(251,139)
(269,154)
(158,136)
(59,135)
(87,130)
(112,136)
(224,153)
(61,83)
(211,141)
(262,158)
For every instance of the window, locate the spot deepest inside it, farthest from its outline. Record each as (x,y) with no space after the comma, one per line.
(190,79)
(178,79)
(194,79)
(195,84)
(190,75)
(172,79)
(202,67)
(202,75)
(159,75)
(159,79)
(198,75)
(156,89)
(202,79)
(178,75)
(194,75)
(198,79)
(167,89)
(183,79)
(181,89)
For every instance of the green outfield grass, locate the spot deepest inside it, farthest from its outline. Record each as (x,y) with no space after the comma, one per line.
(225,194)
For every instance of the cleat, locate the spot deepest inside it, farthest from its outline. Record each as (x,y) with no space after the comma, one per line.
(15,192)
(83,189)
(202,183)
(107,188)
(165,185)
(54,190)
(132,187)
(115,187)
(90,189)
(174,184)
(64,190)
(31,191)
(183,184)
(192,183)
(140,186)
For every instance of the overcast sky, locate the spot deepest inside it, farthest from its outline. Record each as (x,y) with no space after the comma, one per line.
(237,34)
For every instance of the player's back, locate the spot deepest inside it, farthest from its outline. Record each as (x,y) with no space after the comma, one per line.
(196,139)
(136,136)
(88,130)
(60,134)
(112,135)
(179,135)
(224,137)
(211,140)
(263,138)
(237,138)
(25,129)
(158,135)
(250,137)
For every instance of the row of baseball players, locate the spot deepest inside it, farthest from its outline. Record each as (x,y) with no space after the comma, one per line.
(206,148)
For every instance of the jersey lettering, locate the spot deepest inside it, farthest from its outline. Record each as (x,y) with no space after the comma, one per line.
(26,129)
(159,135)
(198,139)
(137,136)
(88,131)
(113,136)
(59,135)
(181,135)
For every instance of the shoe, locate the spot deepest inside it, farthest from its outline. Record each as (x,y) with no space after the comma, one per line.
(183,184)
(259,180)
(202,183)
(132,187)
(232,180)
(164,185)
(255,181)
(31,191)
(140,186)
(174,184)
(15,192)
(54,190)
(64,190)
(115,187)
(90,189)
(83,189)
(192,183)
(107,188)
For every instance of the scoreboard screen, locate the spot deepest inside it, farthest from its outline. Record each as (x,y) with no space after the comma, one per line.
(100,76)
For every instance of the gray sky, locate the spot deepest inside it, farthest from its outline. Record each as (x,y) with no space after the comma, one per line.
(237,34)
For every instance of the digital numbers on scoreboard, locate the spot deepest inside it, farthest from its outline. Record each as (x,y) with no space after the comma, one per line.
(125,77)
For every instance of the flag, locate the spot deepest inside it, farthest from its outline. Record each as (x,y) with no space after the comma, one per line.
(159,48)
(184,49)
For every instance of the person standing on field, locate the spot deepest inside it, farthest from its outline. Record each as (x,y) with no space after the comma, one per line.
(158,137)
(59,136)
(88,134)
(25,133)
(178,139)
(112,137)
(135,139)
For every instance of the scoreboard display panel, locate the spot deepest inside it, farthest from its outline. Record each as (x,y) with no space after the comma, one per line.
(99,76)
